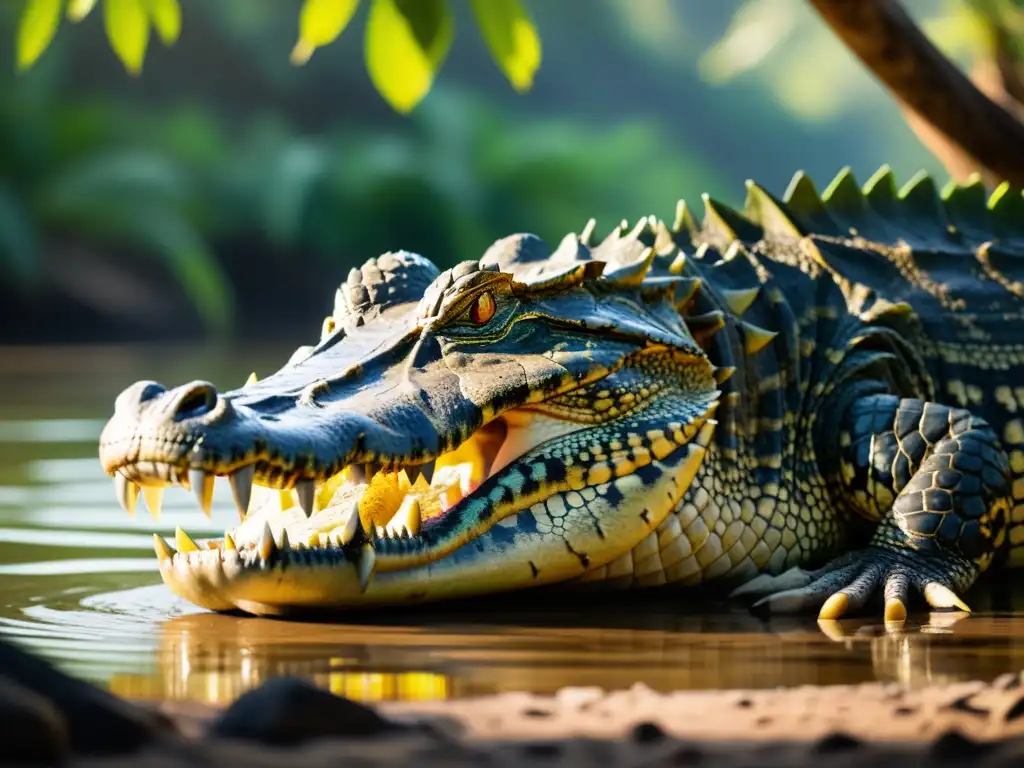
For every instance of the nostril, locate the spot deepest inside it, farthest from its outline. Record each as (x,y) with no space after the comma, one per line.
(137,394)
(198,400)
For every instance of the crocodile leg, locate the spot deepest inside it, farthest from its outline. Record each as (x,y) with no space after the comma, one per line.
(937,482)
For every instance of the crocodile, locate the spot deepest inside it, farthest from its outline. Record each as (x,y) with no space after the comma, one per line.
(816,402)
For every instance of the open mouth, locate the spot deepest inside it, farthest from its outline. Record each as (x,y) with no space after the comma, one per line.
(375,516)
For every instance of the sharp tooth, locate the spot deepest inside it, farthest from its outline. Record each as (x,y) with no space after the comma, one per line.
(184,542)
(251,380)
(284,543)
(408,517)
(367,565)
(267,545)
(426,470)
(241,488)
(229,542)
(164,551)
(202,487)
(154,497)
(352,526)
(306,490)
(127,493)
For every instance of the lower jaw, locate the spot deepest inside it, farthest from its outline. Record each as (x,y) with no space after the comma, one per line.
(224,581)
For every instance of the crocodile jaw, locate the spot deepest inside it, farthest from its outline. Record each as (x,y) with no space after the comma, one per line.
(264,573)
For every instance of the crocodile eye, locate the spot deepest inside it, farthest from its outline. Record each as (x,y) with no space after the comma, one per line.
(483,308)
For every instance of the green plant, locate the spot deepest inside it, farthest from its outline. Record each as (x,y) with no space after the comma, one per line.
(406,40)
(71,174)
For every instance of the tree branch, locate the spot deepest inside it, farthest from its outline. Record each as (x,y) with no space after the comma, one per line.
(886,39)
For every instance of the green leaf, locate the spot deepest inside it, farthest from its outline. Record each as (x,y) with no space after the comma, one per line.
(320,23)
(127,26)
(511,38)
(406,43)
(19,246)
(38,25)
(166,15)
(79,9)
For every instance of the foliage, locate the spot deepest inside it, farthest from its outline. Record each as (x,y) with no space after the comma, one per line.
(406,43)
(72,173)
(180,185)
(772,41)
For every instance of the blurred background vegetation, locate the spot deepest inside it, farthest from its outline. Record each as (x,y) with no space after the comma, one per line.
(224,191)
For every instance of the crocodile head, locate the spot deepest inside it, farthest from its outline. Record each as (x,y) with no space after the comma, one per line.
(510,422)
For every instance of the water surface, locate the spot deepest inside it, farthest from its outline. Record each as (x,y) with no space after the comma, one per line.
(79,585)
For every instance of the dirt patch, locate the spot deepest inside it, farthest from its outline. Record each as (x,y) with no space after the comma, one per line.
(288,721)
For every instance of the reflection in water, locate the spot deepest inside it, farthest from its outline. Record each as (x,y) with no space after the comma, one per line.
(213,658)
(79,585)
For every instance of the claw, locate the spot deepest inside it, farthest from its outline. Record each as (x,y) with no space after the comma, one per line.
(835,606)
(939,596)
(895,610)
(761,586)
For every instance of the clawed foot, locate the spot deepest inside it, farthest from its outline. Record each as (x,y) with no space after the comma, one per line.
(847,584)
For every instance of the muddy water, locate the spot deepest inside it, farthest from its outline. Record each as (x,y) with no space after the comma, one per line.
(79,585)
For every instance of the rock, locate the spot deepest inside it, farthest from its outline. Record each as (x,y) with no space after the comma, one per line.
(97,722)
(34,731)
(647,732)
(291,710)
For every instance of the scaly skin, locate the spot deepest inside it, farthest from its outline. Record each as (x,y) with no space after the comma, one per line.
(831,381)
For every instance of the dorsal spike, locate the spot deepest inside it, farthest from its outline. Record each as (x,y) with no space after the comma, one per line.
(663,242)
(722,374)
(755,338)
(740,299)
(684,219)
(723,225)
(643,231)
(763,209)
(802,197)
(880,191)
(704,326)
(966,204)
(631,274)
(843,195)
(1006,210)
(659,288)
(587,234)
(686,291)
(920,198)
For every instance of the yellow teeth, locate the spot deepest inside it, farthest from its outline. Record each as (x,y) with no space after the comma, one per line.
(367,565)
(202,486)
(352,525)
(267,544)
(154,498)
(163,549)
(251,380)
(184,542)
(241,488)
(229,543)
(407,518)
(127,493)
